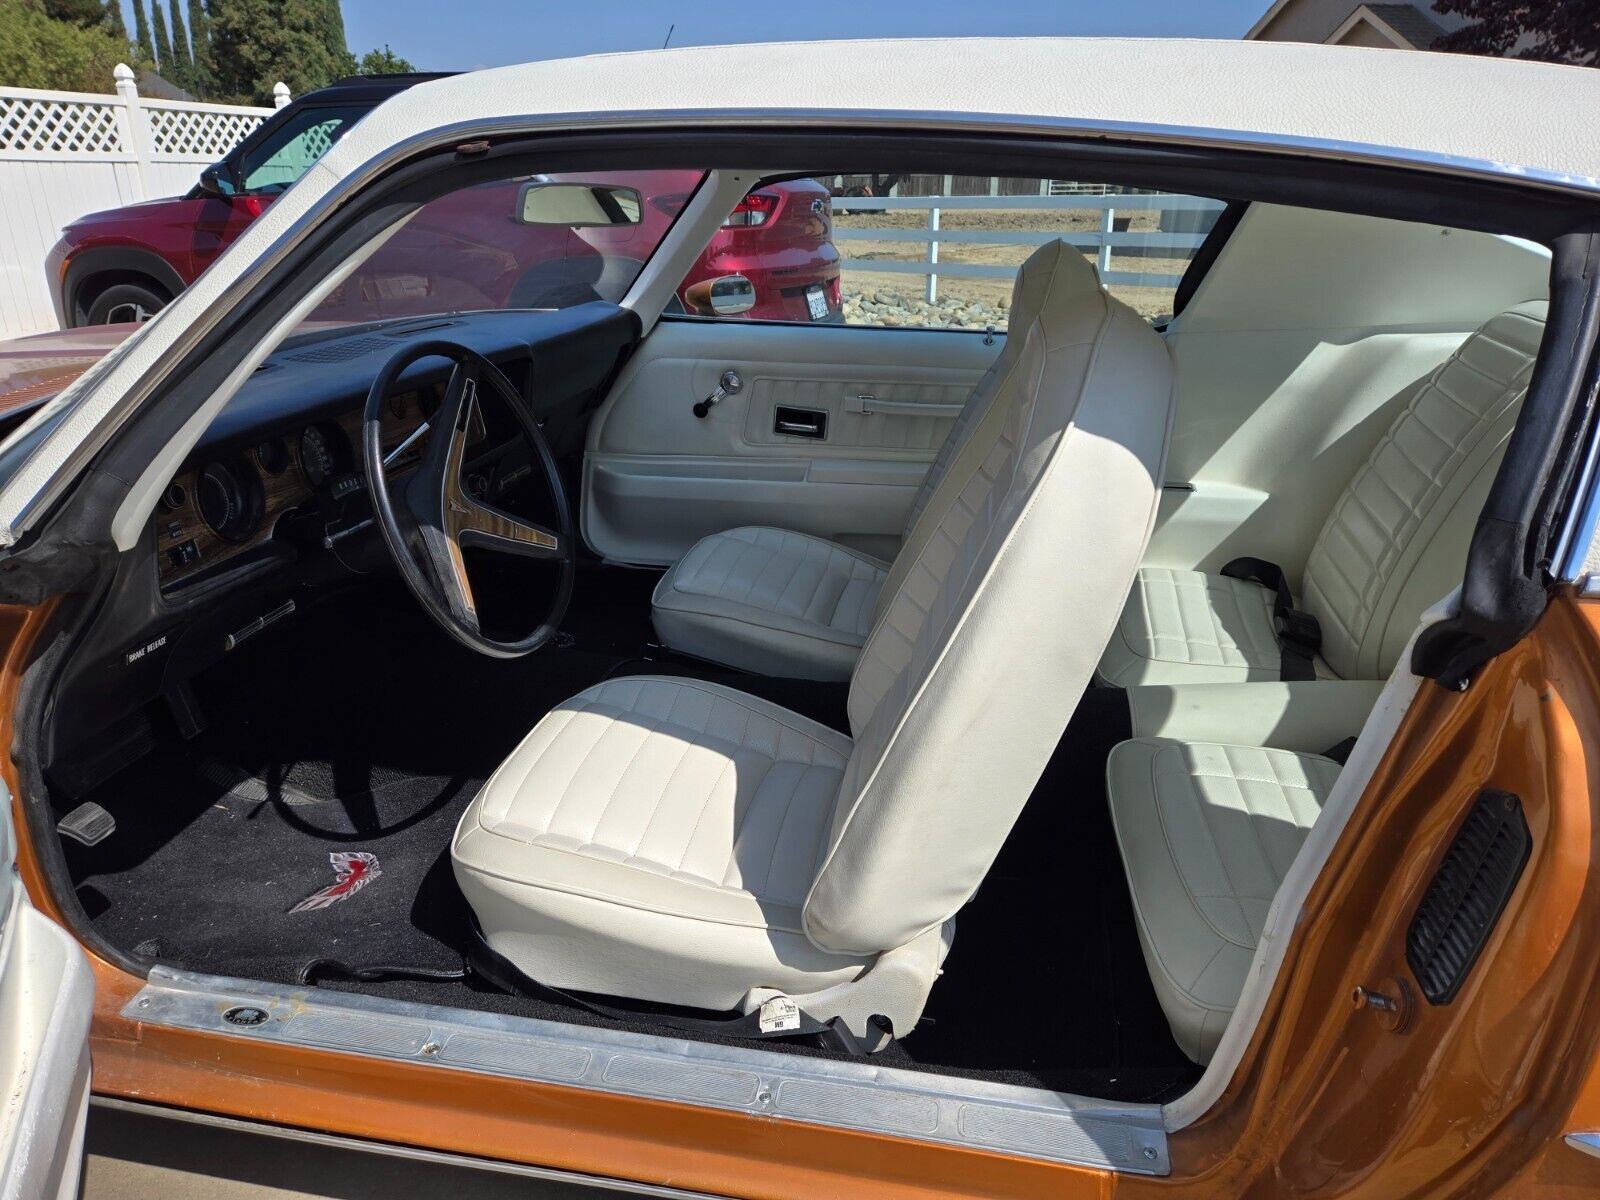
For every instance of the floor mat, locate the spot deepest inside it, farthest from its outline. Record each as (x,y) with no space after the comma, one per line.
(338,746)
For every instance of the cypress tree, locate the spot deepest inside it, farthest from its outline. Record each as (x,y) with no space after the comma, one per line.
(141,26)
(164,61)
(183,60)
(333,37)
(205,77)
(114,21)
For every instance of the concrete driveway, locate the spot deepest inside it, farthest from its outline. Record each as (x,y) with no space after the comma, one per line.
(135,1156)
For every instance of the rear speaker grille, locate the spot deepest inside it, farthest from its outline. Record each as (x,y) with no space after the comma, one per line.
(1468,894)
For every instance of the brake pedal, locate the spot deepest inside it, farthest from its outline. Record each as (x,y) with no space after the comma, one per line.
(88,823)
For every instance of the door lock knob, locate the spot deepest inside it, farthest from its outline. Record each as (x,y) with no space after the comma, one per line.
(729,385)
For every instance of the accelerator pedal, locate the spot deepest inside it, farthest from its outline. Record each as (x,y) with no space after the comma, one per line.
(88,823)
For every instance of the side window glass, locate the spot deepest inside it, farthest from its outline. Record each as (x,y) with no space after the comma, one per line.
(936,251)
(290,152)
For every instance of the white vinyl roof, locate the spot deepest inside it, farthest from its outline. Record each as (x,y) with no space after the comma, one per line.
(1478,113)
(1464,115)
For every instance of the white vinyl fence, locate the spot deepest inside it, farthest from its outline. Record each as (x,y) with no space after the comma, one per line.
(1106,241)
(64,154)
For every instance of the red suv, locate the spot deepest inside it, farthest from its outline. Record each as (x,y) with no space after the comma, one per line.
(127,263)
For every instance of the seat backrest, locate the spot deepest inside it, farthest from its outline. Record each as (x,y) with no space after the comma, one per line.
(994,626)
(1397,539)
(957,458)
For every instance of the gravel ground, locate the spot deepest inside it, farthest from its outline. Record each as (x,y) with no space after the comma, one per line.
(883,298)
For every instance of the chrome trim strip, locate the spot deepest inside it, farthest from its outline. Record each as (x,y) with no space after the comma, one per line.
(1588,1143)
(1577,543)
(41,480)
(857,1094)
(440,1158)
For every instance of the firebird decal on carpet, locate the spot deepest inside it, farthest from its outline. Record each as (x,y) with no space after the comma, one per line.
(352,871)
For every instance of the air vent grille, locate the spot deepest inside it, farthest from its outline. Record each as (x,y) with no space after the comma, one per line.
(1468,894)
(340,351)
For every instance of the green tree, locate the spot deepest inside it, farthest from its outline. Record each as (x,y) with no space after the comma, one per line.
(141,31)
(331,26)
(114,20)
(164,62)
(85,14)
(383,62)
(40,52)
(255,43)
(1561,31)
(182,59)
(200,42)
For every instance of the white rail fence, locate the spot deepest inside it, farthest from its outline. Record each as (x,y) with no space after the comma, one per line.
(64,154)
(1105,241)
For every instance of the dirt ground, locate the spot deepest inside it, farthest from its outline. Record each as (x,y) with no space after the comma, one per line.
(1149,301)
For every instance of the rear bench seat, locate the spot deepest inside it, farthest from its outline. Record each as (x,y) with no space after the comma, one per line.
(1208,829)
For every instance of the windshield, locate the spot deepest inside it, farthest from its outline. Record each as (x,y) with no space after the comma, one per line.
(545,241)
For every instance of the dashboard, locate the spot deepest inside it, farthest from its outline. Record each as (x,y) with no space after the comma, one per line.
(270,510)
(223,508)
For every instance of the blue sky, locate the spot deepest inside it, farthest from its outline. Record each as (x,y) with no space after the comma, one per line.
(477,33)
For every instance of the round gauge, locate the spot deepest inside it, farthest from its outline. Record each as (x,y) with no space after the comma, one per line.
(316,456)
(273,455)
(229,500)
(175,497)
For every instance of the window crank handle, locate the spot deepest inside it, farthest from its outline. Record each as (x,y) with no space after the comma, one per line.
(729,385)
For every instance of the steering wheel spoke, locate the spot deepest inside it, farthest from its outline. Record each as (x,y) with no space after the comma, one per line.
(445,517)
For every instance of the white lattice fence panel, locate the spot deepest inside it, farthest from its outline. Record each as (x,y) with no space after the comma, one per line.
(38,125)
(205,134)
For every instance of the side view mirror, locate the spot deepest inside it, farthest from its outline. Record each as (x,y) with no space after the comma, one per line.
(216,180)
(576,205)
(727,296)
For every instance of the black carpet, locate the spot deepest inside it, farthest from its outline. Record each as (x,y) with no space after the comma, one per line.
(361,728)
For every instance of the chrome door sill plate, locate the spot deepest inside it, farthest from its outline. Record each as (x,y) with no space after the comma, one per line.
(972,1114)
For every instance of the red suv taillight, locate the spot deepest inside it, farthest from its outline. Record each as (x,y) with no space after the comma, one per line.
(755,209)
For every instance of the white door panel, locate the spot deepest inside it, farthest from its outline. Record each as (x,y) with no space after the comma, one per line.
(657,478)
(46,999)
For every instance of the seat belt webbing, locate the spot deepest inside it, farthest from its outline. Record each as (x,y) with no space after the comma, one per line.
(1299,634)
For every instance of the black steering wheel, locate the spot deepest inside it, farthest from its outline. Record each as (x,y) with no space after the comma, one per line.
(436,514)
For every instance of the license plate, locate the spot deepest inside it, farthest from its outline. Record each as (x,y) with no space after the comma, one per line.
(816,302)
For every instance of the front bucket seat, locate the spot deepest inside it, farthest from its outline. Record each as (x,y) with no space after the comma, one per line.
(669,840)
(778,602)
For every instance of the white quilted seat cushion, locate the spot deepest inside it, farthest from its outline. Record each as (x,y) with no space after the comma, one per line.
(666,840)
(663,830)
(781,603)
(1191,627)
(771,601)
(1395,541)
(1207,834)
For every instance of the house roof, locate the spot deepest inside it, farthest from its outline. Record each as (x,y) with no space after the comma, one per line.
(1416,27)
(157,87)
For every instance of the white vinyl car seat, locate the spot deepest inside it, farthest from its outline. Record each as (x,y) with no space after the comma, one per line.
(1207,833)
(1395,541)
(671,840)
(778,602)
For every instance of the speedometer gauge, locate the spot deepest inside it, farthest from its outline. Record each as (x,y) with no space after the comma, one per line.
(316,456)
